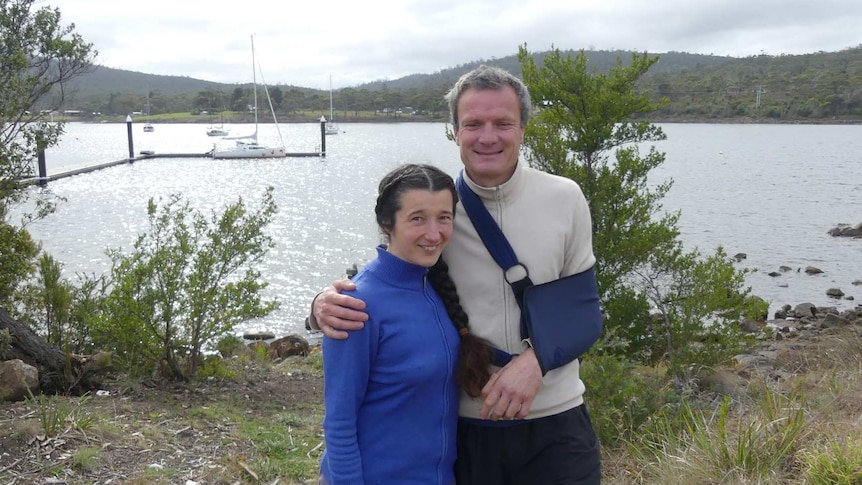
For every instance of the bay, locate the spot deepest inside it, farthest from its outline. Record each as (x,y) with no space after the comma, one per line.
(770,191)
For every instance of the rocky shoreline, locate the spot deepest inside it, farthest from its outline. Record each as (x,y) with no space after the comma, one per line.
(793,329)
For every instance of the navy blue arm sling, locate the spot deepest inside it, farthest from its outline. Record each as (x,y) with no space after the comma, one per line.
(562,318)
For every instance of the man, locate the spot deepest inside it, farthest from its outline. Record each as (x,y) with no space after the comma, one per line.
(525,428)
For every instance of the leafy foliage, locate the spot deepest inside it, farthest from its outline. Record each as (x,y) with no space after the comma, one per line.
(582,118)
(188,282)
(17,263)
(627,399)
(39,56)
(699,302)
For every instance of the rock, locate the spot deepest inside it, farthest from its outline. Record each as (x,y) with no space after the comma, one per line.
(803,310)
(261,335)
(849,315)
(17,380)
(784,269)
(750,326)
(857,282)
(833,320)
(773,274)
(352,271)
(783,285)
(823,310)
(289,345)
(813,270)
(780,314)
(834,292)
(753,362)
(846,230)
(740,256)
(724,382)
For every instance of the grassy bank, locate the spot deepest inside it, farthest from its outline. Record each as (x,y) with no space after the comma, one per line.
(255,421)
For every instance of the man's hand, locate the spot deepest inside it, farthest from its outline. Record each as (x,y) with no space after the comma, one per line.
(336,313)
(510,392)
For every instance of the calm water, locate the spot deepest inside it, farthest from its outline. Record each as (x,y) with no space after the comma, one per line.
(770,191)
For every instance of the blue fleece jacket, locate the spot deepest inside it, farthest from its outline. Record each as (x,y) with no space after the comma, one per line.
(390,392)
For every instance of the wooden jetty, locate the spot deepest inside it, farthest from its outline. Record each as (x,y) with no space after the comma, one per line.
(43,178)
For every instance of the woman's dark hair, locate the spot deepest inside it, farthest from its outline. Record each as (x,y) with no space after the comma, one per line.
(474,353)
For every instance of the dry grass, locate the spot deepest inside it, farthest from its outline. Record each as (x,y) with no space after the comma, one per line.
(261,426)
(804,429)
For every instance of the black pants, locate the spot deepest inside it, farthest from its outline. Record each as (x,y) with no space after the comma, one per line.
(557,450)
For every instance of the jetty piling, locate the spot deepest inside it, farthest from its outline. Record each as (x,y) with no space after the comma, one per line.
(131,142)
(40,158)
(323,136)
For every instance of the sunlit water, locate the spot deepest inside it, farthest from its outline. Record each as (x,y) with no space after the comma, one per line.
(770,191)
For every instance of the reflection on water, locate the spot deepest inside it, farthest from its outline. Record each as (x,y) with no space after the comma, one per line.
(769,191)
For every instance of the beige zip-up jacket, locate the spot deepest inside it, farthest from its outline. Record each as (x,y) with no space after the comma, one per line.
(547,221)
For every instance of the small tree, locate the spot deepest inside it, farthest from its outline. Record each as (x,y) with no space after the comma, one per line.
(581,118)
(38,56)
(48,301)
(188,282)
(699,302)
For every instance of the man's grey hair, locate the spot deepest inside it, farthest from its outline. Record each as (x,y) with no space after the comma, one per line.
(488,77)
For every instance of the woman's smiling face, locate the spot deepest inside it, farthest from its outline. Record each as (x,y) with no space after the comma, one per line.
(422,226)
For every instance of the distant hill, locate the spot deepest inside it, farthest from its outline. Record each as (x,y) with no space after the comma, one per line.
(105,80)
(811,87)
(601,61)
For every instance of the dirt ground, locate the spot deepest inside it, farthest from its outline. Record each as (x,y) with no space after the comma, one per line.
(237,430)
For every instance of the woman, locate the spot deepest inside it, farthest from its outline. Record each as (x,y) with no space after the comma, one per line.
(391,389)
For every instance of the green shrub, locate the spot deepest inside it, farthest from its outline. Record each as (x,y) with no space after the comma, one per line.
(622,396)
(189,281)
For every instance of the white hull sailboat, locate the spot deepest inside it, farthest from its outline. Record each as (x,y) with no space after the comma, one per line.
(331,126)
(219,130)
(216,131)
(248,146)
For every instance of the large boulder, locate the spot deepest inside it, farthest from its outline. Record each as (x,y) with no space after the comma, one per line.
(17,380)
(289,345)
(805,310)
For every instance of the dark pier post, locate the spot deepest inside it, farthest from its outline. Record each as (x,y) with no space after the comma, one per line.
(43,170)
(129,131)
(323,136)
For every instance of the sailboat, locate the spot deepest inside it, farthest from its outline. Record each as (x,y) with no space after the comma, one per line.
(331,126)
(219,130)
(148,128)
(247,146)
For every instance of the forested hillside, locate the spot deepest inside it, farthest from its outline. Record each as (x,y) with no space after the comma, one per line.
(825,86)
(819,87)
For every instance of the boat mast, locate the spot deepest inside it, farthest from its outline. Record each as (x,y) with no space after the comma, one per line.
(330,98)
(254,86)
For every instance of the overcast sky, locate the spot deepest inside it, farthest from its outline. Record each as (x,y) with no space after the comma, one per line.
(303,42)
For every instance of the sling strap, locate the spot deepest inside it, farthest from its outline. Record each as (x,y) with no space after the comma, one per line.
(494,239)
